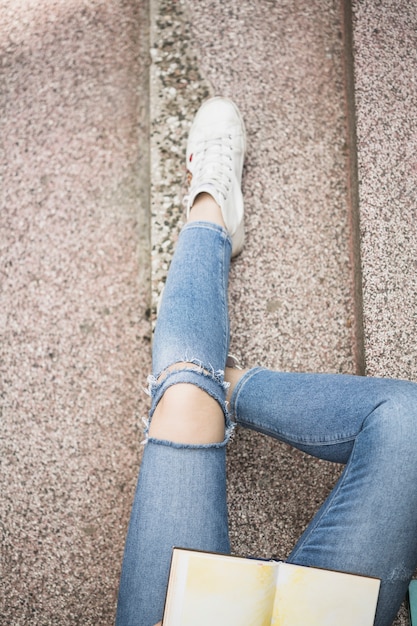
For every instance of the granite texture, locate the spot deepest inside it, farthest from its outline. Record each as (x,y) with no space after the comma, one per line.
(83,133)
(384,37)
(385,51)
(291,289)
(291,300)
(176,89)
(74,285)
(295,177)
(295,294)
(290,293)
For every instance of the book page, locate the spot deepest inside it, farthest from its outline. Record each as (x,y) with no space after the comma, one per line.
(217,590)
(318,597)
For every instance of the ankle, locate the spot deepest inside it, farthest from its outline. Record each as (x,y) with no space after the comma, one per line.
(232,376)
(206,209)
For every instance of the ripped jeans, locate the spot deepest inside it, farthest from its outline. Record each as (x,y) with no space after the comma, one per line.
(367,525)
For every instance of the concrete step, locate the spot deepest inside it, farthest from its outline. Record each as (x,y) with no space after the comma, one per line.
(326,281)
(74,283)
(289,84)
(385,61)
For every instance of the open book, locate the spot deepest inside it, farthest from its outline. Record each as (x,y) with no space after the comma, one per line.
(207,589)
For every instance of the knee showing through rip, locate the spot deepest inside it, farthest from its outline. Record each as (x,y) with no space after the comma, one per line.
(186,413)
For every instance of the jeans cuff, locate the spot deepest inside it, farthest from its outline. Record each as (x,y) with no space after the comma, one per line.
(233,408)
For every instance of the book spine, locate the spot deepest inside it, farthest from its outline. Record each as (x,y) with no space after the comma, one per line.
(412,599)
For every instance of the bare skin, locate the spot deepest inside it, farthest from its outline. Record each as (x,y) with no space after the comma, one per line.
(232,376)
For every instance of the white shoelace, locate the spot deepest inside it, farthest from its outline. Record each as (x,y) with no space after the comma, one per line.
(212,164)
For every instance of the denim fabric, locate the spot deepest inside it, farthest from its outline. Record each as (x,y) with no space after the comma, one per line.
(181,494)
(193,320)
(368,524)
(180,501)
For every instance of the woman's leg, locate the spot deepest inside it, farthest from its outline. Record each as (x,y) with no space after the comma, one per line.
(181,494)
(368,524)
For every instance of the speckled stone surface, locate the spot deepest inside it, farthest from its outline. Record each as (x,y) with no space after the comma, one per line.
(290,294)
(291,289)
(77,268)
(74,283)
(291,92)
(385,46)
(385,61)
(176,89)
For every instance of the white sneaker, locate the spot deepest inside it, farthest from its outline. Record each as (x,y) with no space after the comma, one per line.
(215,153)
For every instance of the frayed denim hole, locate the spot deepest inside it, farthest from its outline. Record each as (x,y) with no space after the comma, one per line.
(209,380)
(187,446)
(155,379)
(214,387)
(230,426)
